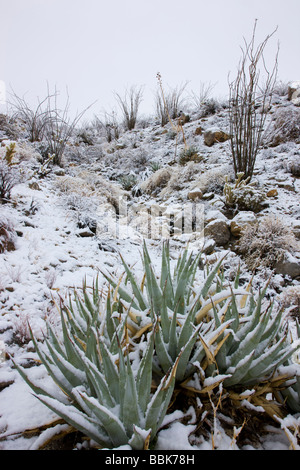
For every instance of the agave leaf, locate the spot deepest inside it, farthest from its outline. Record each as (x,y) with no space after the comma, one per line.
(119,290)
(140,439)
(165,280)
(36,389)
(135,288)
(130,406)
(248,344)
(110,370)
(210,359)
(253,319)
(240,370)
(161,349)
(164,319)
(105,418)
(79,420)
(185,353)
(73,375)
(216,299)
(243,299)
(210,278)
(158,405)
(98,383)
(186,272)
(262,364)
(144,375)
(51,368)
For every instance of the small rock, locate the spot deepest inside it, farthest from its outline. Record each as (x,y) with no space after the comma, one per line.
(213,136)
(59,172)
(194,194)
(34,185)
(84,233)
(272,193)
(208,196)
(103,246)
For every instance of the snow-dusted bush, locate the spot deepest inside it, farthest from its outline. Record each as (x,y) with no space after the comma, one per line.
(264,244)
(7,235)
(157,181)
(213,180)
(289,299)
(294,166)
(129,105)
(9,174)
(169,104)
(189,154)
(285,126)
(243,195)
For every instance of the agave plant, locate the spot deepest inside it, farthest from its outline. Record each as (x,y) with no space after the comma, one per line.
(106,395)
(258,342)
(178,308)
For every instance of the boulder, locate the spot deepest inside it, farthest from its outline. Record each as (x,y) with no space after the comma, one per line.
(289,266)
(294,93)
(212,136)
(240,222)
(218,230)
(214,214)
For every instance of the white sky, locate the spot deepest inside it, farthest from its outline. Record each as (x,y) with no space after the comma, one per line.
(97,47)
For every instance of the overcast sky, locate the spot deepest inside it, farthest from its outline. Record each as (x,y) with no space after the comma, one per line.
(97,47)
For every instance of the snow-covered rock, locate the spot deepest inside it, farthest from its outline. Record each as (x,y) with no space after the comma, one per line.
(294,93)
(289,266)
(218,230)
(240,222)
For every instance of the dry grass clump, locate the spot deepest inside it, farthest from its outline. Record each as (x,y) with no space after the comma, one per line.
(89,186)
(265,243)
(7,235)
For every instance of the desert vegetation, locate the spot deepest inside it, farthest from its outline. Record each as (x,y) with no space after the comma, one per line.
(150,270)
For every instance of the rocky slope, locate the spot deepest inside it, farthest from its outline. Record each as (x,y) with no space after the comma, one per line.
(107,197)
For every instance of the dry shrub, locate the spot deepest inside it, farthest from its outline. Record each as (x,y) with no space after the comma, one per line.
(157,181)
(290,299)
(285,127)
(294,166)
(213,180)
(90,187)
(265,243)
(7,235)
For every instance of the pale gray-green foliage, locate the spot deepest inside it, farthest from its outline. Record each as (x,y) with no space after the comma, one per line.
(255,345)
(113,405)
(258,343)
(170,327)
(291,394)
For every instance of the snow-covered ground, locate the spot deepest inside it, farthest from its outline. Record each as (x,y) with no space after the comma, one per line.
(54,254)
